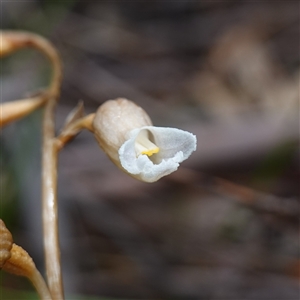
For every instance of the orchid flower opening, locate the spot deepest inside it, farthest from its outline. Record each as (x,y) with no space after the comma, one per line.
(125,133)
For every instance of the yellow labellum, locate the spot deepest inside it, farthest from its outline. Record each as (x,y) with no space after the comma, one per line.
(151,152)
(143,145)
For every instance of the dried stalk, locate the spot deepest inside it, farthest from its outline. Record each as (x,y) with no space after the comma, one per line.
(49,179)
(14,41)
(49,198)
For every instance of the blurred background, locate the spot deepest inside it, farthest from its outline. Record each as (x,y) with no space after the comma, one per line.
(226,224)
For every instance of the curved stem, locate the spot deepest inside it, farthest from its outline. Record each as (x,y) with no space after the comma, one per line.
(22,39)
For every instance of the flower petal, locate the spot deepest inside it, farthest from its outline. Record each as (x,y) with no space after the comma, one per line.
(174,145)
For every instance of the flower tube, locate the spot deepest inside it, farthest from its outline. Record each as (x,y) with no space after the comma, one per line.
(125,132)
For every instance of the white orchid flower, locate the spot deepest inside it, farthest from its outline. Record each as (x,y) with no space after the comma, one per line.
(125,133)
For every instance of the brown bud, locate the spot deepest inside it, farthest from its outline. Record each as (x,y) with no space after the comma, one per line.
(113,121)
(20,263)
(6,46)
(6,242)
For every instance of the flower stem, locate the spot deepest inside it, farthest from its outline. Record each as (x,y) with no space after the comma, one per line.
(49,179)
(49,196)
